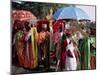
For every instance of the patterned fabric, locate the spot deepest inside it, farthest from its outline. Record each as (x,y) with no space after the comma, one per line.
(31,52)
(20,47)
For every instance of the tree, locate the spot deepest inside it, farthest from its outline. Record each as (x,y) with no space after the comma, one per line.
(40,10)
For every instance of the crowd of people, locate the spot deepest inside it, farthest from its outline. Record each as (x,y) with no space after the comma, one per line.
(63,44)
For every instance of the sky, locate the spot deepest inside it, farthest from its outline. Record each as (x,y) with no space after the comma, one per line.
(90,10)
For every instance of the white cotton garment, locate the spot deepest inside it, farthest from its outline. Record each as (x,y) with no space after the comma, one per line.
(71,63)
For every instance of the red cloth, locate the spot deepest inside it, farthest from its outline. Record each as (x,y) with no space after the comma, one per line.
(63,53)
(20,51)
(93,62)
(28,64)
(57,24)
(40,23)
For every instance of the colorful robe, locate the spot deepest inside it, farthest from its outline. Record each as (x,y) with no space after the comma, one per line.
(43,48)
(63,54)
(31,52)
(19,44)
(84,47)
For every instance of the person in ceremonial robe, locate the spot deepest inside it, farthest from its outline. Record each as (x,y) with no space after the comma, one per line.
(19,44)
(31,47)
(43,44)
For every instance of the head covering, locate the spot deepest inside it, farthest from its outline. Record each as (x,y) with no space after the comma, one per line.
(58,24)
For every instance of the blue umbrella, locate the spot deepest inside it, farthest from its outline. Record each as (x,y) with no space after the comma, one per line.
(70,13)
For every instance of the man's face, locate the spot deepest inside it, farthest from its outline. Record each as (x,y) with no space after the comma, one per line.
(44,26)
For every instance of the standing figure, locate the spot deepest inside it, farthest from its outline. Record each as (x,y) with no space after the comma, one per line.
(43,44)
(63,52)
(27,48)
(71,54)
(19,45)
(59,47)
(31,48)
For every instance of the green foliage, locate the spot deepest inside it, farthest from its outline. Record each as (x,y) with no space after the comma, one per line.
(38,9)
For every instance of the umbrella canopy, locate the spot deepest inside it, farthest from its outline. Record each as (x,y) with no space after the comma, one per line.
(70,13)
(22,15)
